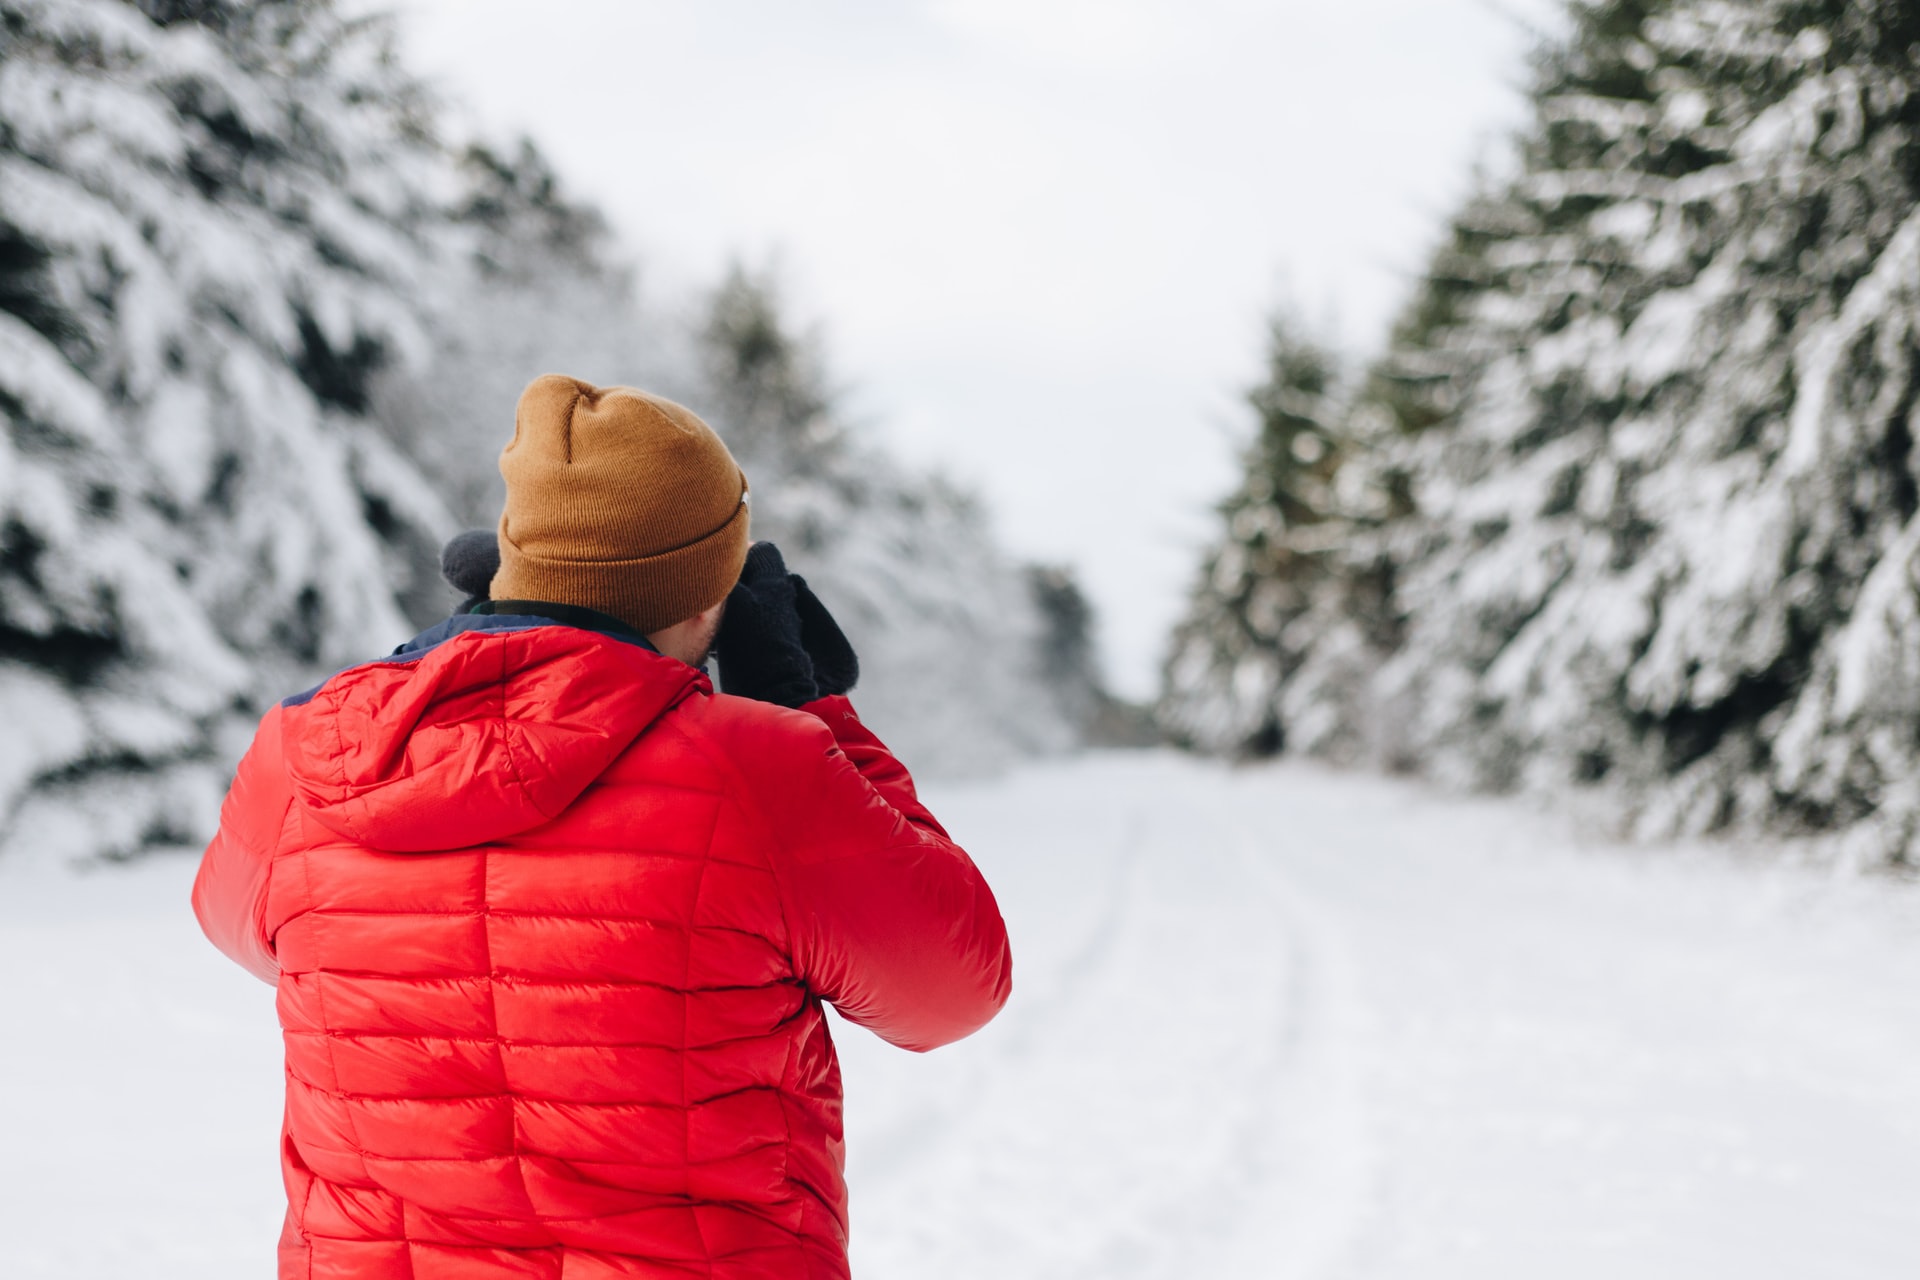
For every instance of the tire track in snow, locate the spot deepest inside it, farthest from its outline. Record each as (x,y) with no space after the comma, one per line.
(909,1138)
(1290,1195)
(1173,1093)
(1308,1160)
(1085,964)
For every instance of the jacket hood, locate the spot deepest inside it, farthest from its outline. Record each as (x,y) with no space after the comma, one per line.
(477,730)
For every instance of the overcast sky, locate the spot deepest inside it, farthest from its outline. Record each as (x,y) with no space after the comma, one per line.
(1040,236)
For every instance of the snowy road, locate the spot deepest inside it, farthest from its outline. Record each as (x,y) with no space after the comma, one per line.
(1273,1022)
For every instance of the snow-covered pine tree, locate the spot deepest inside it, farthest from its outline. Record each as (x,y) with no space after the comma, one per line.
(230,245)
(1241,636)
(210,221)
(1657,402)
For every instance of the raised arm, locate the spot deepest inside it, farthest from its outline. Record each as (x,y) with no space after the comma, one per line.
(875,763)
(892,923)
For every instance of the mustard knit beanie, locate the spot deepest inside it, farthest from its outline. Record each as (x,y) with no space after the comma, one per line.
(618,501)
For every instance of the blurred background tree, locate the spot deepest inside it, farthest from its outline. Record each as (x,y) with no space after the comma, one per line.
(212,220)
(1641,448)
(1241,635)
(262,327)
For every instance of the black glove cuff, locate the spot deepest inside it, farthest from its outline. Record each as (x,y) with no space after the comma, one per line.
(835,667)
(759,648)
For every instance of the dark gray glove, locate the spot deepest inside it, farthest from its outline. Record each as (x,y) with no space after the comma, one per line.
(835,667)
(759,646)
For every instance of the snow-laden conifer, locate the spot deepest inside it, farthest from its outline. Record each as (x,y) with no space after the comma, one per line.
(1242,632)
(210,220)
(1655,407)
(260,329)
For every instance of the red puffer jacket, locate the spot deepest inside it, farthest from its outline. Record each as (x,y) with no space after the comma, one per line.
(551,925)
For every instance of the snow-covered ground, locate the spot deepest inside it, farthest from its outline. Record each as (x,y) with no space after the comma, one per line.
(1270,1022)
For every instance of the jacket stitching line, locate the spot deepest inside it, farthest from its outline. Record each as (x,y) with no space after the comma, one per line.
(339,756)
(686,1016)
(306,1208)
(333,1062)
(789,1083)
(513,764)
(486,913)
(520,1043)
(741,797)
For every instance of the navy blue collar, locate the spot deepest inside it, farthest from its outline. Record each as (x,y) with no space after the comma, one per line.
(491,615)
(567,615)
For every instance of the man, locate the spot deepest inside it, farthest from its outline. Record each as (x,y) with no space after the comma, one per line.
(551,922)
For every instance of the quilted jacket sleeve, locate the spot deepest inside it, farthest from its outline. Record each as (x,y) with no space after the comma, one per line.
(230,891)
(891,921)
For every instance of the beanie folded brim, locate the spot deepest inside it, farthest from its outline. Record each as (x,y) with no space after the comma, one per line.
(649,594)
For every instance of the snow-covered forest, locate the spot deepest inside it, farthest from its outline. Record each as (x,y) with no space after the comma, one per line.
(1623,514)
(262,325)
(1628,504)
